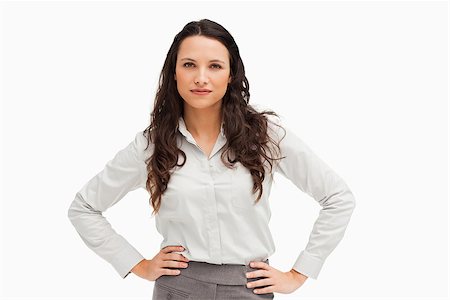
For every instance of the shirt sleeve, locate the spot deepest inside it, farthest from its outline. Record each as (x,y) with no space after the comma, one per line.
(125,172)
(314,177)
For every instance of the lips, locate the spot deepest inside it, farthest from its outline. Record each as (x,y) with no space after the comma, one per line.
(200,90)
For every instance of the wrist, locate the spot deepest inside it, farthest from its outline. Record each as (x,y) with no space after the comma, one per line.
(298,276)
(139,267)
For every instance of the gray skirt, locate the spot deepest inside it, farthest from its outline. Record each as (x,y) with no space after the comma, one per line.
(201,280)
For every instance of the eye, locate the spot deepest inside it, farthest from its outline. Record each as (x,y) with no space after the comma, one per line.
(188,63)
(218,66)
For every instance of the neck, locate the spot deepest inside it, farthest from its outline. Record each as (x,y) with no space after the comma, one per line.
(203,124)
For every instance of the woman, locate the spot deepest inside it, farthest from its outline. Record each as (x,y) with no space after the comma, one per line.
(207,160)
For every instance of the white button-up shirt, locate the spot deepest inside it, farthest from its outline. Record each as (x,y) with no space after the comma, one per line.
(208,208)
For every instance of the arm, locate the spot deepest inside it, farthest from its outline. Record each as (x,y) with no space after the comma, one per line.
(299,277)
(122,174)
(314,177)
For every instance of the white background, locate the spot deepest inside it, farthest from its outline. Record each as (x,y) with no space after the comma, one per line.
(365,84)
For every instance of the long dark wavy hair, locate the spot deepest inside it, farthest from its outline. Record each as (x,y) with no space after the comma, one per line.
(244,127)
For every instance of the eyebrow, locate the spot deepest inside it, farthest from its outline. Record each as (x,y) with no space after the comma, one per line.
(212,60)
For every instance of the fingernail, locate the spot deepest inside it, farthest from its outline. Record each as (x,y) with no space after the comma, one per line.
(252,264)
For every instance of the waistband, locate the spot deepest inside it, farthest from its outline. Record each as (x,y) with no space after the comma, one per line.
(225,274)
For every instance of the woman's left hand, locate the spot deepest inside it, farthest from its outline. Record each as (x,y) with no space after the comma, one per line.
(276,281)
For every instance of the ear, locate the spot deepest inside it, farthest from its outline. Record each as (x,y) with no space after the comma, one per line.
(175,77)
(229,79)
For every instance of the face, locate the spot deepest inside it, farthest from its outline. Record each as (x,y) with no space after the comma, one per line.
(202,63)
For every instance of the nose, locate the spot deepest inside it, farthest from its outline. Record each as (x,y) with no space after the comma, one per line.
(201,77)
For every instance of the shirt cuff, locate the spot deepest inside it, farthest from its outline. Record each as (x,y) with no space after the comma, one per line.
(308,265)
(126,260)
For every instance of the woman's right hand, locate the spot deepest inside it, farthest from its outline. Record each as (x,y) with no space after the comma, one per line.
(152,269)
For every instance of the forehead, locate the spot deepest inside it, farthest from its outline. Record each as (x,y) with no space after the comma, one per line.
(202,48)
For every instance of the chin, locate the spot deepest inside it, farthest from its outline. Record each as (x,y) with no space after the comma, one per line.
(202,104)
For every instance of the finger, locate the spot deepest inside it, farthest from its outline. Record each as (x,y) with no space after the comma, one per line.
(170,272)
(260,265)
(169,249)
(175,256)
(266,290)
(260,283)
(181,257)
(259,273)
(174,264)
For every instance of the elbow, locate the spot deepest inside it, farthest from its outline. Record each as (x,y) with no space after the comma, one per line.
(77,208)
(347,197)
(343,199)
(351,202)
(73,210)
